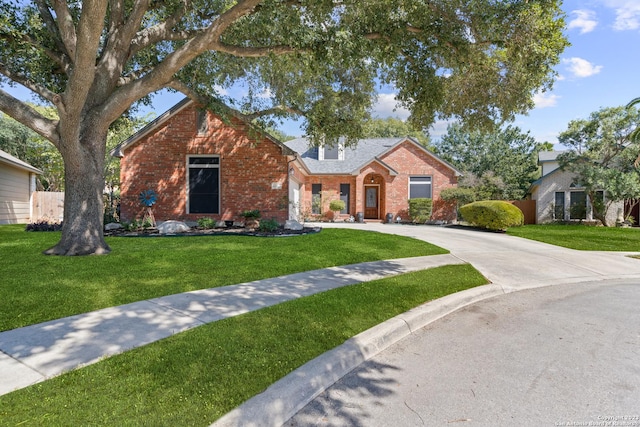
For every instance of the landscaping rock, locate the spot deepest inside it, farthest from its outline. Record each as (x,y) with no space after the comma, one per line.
(292,224)
(113,226)
(173,227)
(221,224)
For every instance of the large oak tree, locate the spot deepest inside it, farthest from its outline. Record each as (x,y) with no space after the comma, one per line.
(479,60)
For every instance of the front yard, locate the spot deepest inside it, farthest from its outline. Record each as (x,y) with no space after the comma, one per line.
(582,237)
(36,288)
(195,377)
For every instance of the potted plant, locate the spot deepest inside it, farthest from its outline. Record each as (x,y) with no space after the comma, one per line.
(336,206)
(251,218)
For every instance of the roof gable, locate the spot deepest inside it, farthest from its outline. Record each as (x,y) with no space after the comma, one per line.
(355,157)
(120,149)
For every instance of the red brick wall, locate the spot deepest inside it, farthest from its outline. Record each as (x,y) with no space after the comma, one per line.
(406,159)
(249,165)
(409,160)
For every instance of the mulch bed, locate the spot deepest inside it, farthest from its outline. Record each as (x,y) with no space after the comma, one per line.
(237,231)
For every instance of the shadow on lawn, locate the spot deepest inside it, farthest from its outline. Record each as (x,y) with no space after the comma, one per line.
(57,346)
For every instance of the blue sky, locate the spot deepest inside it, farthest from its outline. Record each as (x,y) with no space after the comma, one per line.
(601,68)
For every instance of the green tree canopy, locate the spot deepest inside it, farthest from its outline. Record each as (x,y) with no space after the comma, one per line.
(602,155)
(393,127)
(93,60)
(499,164)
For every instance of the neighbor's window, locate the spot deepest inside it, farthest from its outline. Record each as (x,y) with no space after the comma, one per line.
(558,208)
(204,184)
(420,187)
(578,205)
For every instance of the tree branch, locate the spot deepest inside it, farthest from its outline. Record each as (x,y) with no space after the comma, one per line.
(66,27)
(24,81)
(50,24)
(187,91)
(278,109)
(84,70)
(29,117)
(254,52)
(202,100)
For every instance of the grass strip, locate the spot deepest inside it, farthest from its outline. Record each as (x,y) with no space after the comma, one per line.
(36,288)
(582,237)
(195,377)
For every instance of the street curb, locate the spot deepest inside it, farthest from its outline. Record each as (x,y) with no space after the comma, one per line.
(284,398)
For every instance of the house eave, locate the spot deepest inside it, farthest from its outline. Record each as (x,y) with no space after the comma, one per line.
(392,171)
(413,141)
(10,160)
(119,150)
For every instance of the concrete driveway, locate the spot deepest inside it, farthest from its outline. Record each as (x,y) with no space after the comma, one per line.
(552,355)
(499,360)
(512,262)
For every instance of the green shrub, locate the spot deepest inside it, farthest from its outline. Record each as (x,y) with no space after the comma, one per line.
(461,195)
(420,210)
(206,223)
(492,214)
(336,205)
(268,225)
(251,214)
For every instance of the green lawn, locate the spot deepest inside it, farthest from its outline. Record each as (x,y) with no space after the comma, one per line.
(193,378)
(35,287)
(582,237)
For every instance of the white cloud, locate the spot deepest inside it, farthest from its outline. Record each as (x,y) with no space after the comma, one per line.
(581,67)
(545,100)
(584,20)
(439,129)
(627,14)
(387,106)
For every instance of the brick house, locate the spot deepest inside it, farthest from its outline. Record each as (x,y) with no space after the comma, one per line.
(559,195)
(376,178)
(201,166)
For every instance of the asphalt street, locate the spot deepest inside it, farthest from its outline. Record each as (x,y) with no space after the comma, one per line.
(558,356)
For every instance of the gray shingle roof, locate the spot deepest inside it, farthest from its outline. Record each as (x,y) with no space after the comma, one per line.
(355,157)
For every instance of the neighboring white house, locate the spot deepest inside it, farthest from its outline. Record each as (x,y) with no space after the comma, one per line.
(560,197)
(17,184)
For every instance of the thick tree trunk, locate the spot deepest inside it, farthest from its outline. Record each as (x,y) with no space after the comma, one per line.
(82,230)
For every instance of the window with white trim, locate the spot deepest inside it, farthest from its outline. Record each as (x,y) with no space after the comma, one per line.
(331,152)
(420,187)
(203,183)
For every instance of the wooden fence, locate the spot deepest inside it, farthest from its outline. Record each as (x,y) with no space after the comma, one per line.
(47,205)
(528,208)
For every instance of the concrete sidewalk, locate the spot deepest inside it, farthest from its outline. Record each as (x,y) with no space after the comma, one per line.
(510,263)
(35,353)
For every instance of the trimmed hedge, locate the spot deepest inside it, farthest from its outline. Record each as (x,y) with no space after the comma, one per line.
(420,210)
(492,214)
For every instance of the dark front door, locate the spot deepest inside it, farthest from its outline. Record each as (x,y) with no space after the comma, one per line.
(371,202)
